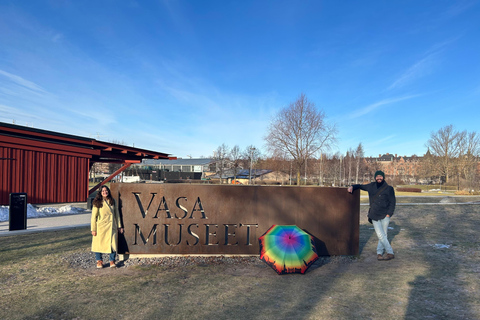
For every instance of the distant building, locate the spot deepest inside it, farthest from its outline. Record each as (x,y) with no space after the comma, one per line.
(179,169)
(396,166)
(192,169)
(243,176)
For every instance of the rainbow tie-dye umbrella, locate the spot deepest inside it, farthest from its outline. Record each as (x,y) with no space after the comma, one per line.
(287,249)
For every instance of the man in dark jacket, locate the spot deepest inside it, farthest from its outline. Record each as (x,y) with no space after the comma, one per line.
(382,206)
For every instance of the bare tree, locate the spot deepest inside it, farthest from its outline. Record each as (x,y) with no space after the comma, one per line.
(446,145)
(321,165)
(370,168)
(427,169)
(278,164)
(300,130)
(235,157)
(359,155)
(348,161)
(337,169)
(468,159)
(328,169)
(252,154)
(220,155)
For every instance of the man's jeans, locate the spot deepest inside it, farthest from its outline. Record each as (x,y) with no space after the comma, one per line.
(381,229)
(98,256)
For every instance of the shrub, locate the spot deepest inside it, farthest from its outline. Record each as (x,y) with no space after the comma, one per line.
(409,190)
(467,193)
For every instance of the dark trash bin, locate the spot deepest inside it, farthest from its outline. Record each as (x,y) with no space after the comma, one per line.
(18,211)
(90,200)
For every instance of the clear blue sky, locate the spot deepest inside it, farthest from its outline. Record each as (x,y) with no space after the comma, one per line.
(183,77)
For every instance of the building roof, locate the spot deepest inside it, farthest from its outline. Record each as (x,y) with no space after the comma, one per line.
(390,157)
(49,141)
(178,162)
(242,173)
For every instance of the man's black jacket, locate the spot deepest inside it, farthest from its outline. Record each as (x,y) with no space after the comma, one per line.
(383,204)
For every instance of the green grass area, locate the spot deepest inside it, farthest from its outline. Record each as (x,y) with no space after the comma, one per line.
(430,188)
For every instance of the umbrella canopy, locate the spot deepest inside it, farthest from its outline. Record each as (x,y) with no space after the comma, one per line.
(287,249)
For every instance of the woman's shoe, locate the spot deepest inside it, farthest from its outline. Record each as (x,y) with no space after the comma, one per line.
(112,264)
(99,264)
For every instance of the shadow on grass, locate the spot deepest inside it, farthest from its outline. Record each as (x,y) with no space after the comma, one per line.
(287,296)
(366,233)
(442,291)
(282,291)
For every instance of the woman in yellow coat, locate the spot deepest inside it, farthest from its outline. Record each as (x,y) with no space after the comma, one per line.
(105,226)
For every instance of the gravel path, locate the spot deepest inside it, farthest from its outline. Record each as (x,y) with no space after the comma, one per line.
(86,260)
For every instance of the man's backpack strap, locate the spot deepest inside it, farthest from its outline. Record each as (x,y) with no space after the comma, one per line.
(378,192)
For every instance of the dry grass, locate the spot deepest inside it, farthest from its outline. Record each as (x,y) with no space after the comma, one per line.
(435,275)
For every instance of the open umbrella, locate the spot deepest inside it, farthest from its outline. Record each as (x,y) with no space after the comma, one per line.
(287,249)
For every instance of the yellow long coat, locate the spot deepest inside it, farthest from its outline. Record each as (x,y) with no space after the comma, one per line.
(106,224)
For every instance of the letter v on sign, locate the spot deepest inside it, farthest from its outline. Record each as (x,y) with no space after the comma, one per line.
(140,205)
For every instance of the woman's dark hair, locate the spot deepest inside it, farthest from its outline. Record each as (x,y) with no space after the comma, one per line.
(98,201)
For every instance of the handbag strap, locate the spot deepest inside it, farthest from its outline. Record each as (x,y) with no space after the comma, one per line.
(378,192)
(109,207)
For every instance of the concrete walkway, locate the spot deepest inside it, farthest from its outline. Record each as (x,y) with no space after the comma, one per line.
(49,224)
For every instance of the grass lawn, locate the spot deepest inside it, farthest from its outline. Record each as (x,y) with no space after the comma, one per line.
(435,275)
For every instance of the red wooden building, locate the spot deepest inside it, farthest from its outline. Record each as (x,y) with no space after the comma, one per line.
(53,167)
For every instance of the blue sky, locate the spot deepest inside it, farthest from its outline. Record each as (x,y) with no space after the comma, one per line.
(183,77)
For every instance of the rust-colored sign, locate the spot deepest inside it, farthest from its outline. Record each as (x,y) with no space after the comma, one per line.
(215,219)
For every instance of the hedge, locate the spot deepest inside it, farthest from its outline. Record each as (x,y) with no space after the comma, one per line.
(409,190)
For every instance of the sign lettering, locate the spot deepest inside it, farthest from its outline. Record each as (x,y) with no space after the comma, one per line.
(187,218)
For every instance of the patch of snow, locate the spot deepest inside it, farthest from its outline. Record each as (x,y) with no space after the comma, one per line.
(441,246)
(448,200)
(129,179)
(389,228)
(33,212)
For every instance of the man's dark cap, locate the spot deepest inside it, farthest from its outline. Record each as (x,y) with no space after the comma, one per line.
(379,173)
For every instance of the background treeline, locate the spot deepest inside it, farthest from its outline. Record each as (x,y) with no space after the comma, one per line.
(452,159)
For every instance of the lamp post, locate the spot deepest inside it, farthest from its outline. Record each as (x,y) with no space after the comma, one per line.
(252,149)
(306,170)
(290,177)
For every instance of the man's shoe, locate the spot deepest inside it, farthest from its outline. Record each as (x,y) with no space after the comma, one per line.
(380,257)
(112,264)
(389,256)
(99,264)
